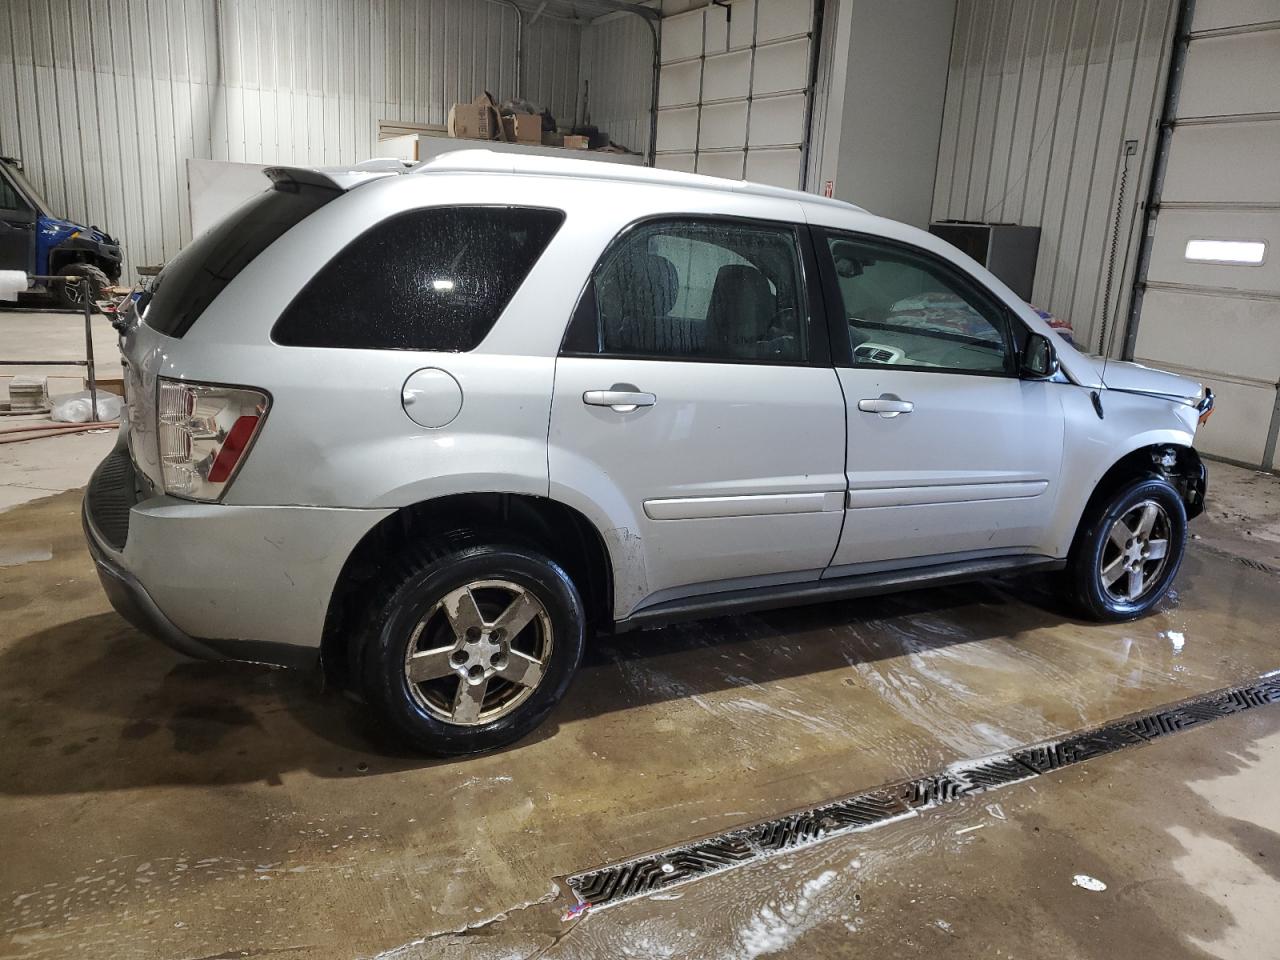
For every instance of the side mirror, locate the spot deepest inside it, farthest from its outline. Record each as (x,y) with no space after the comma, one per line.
(1039,359)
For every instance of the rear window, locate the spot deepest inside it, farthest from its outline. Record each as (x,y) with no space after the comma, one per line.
(433,279)
(191,280)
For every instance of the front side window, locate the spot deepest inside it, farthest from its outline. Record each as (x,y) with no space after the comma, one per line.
(712,290)
(9,198)
(433,279)
(906,308)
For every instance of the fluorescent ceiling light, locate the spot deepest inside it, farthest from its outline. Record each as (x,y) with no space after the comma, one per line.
(1227,251)
(442,285)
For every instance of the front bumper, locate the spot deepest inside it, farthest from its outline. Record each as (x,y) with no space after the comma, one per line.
(217,581)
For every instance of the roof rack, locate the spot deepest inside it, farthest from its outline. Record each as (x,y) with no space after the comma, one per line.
(491,161)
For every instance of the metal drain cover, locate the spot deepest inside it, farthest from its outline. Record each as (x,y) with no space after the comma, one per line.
(647,874)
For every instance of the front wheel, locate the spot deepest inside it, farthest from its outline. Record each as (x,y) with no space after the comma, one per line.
(72,294)
(471,648)
(1128,551)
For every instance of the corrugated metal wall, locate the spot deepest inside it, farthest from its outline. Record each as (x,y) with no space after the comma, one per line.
(112,96)
(617,63)
(1042,96)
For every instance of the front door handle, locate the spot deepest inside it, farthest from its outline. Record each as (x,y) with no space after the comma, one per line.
(623,401)
(888,405)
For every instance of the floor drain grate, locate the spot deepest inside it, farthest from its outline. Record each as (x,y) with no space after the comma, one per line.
(657,871)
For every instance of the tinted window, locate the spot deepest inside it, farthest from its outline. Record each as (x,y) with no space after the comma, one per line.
(190,281)
(433,279)
(906,308)
(696,290)
(9,198)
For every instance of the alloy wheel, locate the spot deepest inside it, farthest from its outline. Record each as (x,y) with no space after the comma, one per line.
(1136,552)
(479,653)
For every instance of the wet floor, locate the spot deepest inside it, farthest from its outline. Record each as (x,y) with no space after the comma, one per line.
(158,807)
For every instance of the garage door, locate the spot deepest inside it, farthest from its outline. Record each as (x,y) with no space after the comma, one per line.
(734,89)
(1211,303)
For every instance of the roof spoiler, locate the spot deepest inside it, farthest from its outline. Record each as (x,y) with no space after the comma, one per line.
(339,179)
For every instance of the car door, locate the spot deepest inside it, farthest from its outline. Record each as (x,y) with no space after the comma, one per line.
(696,415)
(950,453)
(17,228)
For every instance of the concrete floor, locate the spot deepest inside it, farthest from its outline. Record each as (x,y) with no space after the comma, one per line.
(154,807)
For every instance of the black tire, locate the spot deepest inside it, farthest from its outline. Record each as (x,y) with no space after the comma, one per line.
(421,581)
(1096,556)
(71,294)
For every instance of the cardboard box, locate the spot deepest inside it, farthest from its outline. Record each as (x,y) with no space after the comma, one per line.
(523,128)
(472,121)
(552,139)
(574,142)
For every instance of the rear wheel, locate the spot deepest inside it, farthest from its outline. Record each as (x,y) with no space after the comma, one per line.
(1128,551)
(72,294)
(473,647)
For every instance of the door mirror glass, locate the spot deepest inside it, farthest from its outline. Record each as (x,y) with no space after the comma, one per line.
(1039,359)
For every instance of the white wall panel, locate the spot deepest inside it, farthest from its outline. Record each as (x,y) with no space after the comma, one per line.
(617,63)
(1231,75)
(684,162)
(106,99)
(678,129)
(1219,14)
(727,76)
(776,19)
(723,125)
(777,120)
(679,84)
(682,36)
(1042,97)
(780,167)
(1225,163)
(781,67)
(728,165)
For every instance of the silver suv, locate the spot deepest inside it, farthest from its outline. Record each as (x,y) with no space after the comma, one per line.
(433,427)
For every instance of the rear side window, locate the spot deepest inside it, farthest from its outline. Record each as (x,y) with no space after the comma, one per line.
(433,279)
(190,281)
(715,290)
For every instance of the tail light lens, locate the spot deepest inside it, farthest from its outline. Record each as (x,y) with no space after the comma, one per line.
(205,434)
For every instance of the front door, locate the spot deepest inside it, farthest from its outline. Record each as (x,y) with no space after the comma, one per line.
(696,415)
(950,454)
(17,229)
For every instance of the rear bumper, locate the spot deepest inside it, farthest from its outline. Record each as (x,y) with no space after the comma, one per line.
(216,581)
(131,600)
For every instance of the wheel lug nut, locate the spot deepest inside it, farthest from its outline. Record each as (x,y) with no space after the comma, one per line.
(473,633)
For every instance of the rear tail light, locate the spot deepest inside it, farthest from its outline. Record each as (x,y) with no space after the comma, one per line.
(205,434)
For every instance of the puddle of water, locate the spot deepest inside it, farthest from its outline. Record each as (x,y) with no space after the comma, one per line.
(17,556)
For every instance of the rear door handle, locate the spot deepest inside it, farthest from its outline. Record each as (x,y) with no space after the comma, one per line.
(623,401)
(888,405)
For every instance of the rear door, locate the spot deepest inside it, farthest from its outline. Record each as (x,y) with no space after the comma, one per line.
(949,452)
(696,405)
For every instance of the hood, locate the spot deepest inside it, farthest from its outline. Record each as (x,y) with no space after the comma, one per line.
(57,230)
(1135,378)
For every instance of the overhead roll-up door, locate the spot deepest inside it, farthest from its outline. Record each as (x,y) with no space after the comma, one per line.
(1210,304)
(734,90)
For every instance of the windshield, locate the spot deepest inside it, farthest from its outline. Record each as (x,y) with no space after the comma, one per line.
(32,194)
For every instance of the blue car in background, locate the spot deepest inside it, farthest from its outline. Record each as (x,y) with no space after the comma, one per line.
(35,241)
